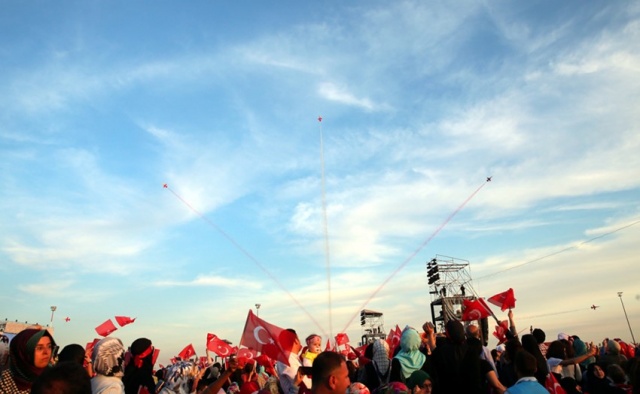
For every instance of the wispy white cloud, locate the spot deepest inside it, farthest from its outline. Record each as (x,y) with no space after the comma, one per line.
(211,280)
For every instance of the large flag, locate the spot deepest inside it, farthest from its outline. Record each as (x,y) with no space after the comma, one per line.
(124,320)
(267,338)
(219,347)
(505,300)
(188,352)
(106,328)
(475,310)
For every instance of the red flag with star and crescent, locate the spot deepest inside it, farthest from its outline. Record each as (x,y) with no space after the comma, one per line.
(188,352)
(219,346)
(474,310)
(267,338)
(505,300)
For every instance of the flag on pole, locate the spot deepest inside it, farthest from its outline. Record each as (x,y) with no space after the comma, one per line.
(267,338)
(124,320)
(505,300)
(188,352)
(475,310)
(106,328)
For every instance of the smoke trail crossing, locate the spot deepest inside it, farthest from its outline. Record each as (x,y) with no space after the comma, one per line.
(246,253)
(327,255)
(412,255)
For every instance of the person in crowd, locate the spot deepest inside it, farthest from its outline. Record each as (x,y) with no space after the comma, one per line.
(612,354)
(30,353)
(476,373)
(472,331)
(66,377)
(329,374)
(595,380)
(181,377)
(618,378)
(314,347)
(506,367)
(572,370)
(376,373)
(76,353)
(290,376)
(409,358)
(108,364)
(527,383)
(419,382)
(580,349)
(447,359)
(138,373)
(530,344)
(540,337)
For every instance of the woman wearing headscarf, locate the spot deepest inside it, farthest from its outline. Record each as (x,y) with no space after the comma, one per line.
(409,358)
(376,373)
(595,380)
(138,373)
(181,378)
(108,365)
(29,354)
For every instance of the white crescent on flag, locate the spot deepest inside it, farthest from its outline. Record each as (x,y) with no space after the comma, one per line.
(222,350)
(256,334)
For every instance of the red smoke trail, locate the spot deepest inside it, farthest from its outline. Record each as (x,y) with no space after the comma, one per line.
(246,253)
(408,259)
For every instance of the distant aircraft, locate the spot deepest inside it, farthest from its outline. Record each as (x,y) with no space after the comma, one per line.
(594,307)
(165,186)
(489,178)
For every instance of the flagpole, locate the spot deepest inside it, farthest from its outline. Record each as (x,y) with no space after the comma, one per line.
(626,317)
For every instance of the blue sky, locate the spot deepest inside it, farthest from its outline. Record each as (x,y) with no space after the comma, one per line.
(104,102)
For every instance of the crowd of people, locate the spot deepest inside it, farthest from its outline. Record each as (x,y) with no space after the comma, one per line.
(456,361)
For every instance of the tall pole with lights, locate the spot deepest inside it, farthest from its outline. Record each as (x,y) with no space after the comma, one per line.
(258,310)
(53,310)
(626,317)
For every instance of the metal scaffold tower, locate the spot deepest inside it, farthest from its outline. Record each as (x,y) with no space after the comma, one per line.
(449,284)
(372,324)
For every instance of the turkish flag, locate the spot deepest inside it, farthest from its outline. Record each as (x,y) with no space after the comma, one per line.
(211,336)
(501,331)
(89,348)
(393,339)
(106,328)
(124,320)
(552,385)
(202,363)
(328,347)
(342,339)
(249,354)
(267,338)
(187,352)
(475,310)
(505,300)
(220,347)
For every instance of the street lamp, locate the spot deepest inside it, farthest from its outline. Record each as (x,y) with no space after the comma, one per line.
(53,309)
(627,317)
(258,310)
